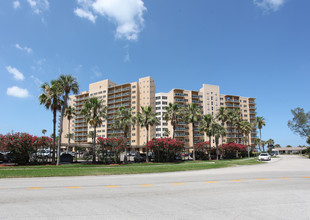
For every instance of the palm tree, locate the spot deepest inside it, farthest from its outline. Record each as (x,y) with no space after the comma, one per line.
(50,98)
(70,112)
(147,118)
(94,112)
(206,126)
(245,128)
(260,122)
(67,84)
(192,114)
(222,116)
(270,144)
(217,131)
(123,120)
(234,118)
(172,116)
(44,131)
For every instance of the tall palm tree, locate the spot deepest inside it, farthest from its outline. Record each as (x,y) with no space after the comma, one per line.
(270,144)
(217,131)
(147,118)
(234,118)
(222,116)
(94,112)
(206,126)
(67,84)
(50,98)
(192,114)
(172,116)
(70,112)
(245,128)
(260,122)
(123,120)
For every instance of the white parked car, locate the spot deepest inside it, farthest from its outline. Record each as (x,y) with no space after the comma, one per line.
(264,156)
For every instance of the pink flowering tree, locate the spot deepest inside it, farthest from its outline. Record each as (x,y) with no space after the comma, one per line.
(110,149)
(202,150)
(165,149)
(233,150)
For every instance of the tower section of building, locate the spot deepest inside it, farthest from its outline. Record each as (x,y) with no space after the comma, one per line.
(185,131)
(161,103)
(130,95)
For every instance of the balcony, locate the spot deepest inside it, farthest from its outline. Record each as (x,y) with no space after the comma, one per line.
(180,134)
(232,100)
(119,90)
(180,100)
(119,95)
(179,94)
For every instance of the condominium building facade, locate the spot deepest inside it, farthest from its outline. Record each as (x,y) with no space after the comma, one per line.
(131,95)
(209,100)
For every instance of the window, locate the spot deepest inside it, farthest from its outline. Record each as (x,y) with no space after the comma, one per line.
(245,110)
(245,106)
(133,141)
(165,124)
(158,129)
(133,134)
(134,97)
(212,108)
(212,103)
(157,97)
(133,129)
(104,91)
(133,87)
(133,91)
(164,97)
(157,103)
(158,108)
(244,101)
(165,103)
(133,102)
(134,107)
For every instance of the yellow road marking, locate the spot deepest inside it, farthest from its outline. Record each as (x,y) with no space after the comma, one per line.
(286,178)
(210,181)
(306,176)
(237,180)
(261,179)
(146,185)
(175,184)
(74,187)
(34,188)
(111,186)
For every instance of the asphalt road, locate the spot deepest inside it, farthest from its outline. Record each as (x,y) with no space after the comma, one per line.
(279,189)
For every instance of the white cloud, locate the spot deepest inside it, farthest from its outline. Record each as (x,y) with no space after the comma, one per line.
(17,92)
(16,4)
(97,72)
(127,14)
(85,14)
(268,5)
(27,49)
(15,72)
(36,80)
(38,6)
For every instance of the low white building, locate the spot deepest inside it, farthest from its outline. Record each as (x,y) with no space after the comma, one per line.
(289,150)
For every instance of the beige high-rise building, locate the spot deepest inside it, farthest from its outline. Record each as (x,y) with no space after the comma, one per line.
(132,95)
(210,100)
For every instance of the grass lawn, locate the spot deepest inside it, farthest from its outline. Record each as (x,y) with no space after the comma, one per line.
(89,170)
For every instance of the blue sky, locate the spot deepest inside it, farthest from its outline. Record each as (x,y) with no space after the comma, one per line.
(253,48)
